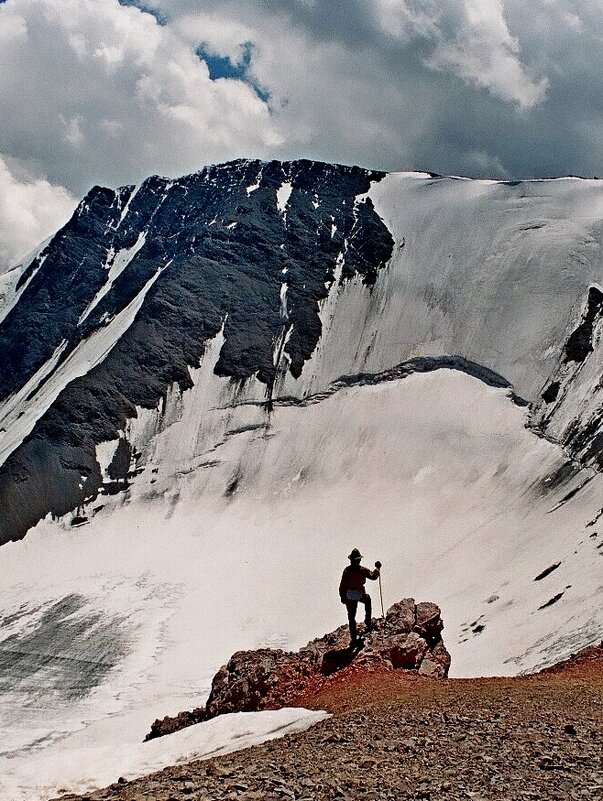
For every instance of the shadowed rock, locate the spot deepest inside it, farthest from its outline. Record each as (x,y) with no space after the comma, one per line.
(405,650)
(428,622)
(219,255)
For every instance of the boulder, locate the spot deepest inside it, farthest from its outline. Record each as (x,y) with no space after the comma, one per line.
(401,617)
(428,623)
(243,684)
(436,663)
(404,650)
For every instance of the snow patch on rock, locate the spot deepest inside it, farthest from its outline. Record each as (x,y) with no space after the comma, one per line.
(283,193)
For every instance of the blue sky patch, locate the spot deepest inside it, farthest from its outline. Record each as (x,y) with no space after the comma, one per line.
(148,9)
(224,67)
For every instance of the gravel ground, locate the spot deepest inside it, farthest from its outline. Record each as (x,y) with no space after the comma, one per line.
(392,738)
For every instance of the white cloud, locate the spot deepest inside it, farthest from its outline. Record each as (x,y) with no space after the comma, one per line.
(30,210)
(485,53)
(73,129)
(13,29)
(484,163)
(101,92)
(405,20)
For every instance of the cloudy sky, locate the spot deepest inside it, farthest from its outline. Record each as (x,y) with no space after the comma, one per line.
(110,91)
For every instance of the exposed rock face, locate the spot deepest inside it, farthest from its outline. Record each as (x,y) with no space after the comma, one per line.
(271,678)
(179,261)
(428,622)
(570,408)
(405,650)
(436,662)
(402,617)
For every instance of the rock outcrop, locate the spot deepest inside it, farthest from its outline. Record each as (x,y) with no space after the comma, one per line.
(410,639)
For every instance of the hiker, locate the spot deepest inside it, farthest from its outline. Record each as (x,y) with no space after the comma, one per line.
(351,591)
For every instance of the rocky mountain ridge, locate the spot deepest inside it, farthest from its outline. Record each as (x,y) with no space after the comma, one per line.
(119,306)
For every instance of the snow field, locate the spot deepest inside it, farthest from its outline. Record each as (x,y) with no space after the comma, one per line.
(492,271)
(91,766)
(436,475)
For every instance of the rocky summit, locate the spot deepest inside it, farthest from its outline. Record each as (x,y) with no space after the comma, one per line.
(409,639)
(232,248)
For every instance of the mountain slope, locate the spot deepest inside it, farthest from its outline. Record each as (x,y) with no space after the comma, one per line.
(118,306)
(288,263)
(216,386)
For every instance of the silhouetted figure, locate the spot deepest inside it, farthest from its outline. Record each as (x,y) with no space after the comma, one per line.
(351,591)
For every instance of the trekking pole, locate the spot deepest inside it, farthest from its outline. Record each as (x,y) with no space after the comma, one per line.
(378,566)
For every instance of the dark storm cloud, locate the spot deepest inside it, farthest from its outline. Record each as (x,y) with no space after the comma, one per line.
(486,88)
(482,88)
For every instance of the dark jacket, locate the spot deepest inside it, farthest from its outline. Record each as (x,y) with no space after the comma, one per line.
(354,578)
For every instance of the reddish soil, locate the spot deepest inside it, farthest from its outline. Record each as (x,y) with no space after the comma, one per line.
(356,688)
(395,736)
(587,663)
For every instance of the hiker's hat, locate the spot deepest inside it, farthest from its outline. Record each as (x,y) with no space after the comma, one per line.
(355,555)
